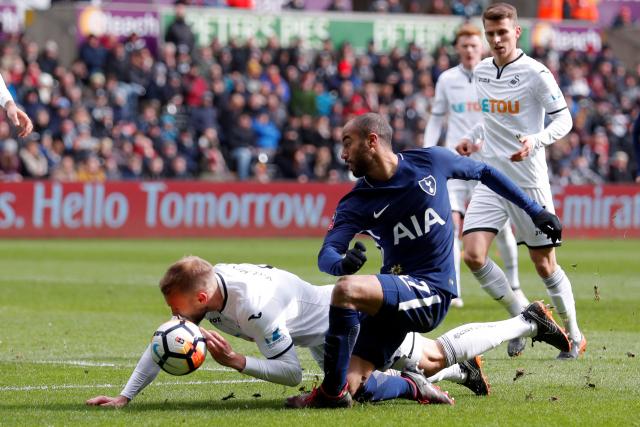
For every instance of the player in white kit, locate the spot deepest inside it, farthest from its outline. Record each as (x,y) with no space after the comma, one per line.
(515,91)
(279,312)
(457,101)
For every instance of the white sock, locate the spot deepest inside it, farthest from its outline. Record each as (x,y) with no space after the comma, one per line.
(559,289)
(495,283)
(468,341)
(452,373)
(508,248)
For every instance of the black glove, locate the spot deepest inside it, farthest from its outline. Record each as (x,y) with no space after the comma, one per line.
(549,224)
(354,258)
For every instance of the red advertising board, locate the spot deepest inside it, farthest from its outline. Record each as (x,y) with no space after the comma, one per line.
(611,211)
(202,209)
(166,209)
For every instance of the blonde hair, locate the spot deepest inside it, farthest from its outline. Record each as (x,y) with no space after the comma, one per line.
(185,275)
(499,11)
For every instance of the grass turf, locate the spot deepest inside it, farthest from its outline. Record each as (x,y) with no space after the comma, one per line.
(76,315)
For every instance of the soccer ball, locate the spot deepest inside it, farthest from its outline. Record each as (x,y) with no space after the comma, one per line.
(178,347)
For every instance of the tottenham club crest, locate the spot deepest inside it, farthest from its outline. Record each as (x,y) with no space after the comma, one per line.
(428,185)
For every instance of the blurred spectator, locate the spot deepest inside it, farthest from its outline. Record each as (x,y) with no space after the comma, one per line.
(267,134)
(93,55)
(586,10)
(48,59)
(214,165)
(65,171)
(179,32)
(624,18)
(438,7)
(635,138)
(294,5)
(9,162)
(34,163)
(339,5)
(581,174)
(466,8)
(179,169)
(619,170)
(90,170)
(241,144)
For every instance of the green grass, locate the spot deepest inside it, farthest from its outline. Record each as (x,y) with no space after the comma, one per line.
(76,315)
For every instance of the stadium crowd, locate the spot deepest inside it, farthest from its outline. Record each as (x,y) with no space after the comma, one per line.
(245,111)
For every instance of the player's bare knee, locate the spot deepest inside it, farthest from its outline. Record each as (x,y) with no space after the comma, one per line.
(545,267)
(544,261)
(344,292)
(474,260)
(433,359)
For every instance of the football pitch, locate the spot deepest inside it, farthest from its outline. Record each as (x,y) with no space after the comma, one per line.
(75,317)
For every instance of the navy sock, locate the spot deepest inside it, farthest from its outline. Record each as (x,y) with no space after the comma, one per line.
(344,325)
(384,387)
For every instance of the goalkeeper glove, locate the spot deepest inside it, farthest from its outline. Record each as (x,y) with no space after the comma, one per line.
(354,258)
(549,224)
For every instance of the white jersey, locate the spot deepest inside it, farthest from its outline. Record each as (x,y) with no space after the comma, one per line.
(455,97)
(513,100)
(272,307)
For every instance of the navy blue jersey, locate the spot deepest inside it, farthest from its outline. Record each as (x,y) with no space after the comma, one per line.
(409,215)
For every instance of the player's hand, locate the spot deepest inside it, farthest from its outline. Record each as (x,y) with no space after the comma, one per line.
(638,179)
(354,259)
(112,402)
(19,119)
(466,147)
(221,350)
(526,150)
(549,224)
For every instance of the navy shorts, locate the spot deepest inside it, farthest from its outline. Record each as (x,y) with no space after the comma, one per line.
(409,305)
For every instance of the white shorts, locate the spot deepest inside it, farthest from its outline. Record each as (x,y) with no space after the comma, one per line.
(489,212)
(410,351)
(460,193)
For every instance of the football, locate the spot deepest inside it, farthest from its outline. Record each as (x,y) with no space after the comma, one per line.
(178,347)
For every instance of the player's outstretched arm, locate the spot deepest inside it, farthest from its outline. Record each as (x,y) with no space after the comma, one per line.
(468,169)
(144,373)
(545,221)
(283,369)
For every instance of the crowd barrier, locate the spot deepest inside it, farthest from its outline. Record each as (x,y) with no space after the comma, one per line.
(204,209)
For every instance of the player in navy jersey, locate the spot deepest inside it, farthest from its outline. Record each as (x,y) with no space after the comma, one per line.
(401,201)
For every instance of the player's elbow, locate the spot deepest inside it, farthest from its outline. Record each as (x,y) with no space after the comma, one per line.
(291,377)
